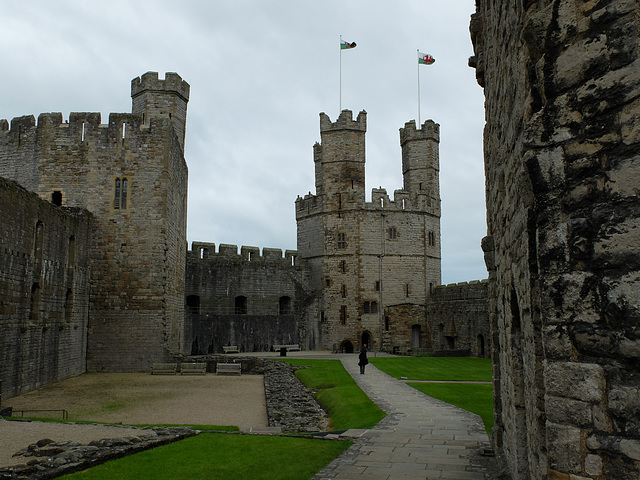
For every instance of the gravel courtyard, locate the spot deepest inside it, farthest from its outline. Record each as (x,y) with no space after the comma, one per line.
(134,398)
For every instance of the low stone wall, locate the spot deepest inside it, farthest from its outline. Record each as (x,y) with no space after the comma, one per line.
(291,405)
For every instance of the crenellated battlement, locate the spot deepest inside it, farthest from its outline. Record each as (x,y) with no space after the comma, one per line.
(207,251)
(345,122)
(429,131)
(149,82)
(79,128)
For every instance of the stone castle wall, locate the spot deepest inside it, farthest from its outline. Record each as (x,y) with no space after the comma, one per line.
(138,239)
(562,87)
(44,290)
(250,300)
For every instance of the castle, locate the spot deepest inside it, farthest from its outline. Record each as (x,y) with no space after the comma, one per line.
(97,275)
(92,273)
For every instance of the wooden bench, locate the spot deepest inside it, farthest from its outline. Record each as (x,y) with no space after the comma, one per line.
(230,349)
(193,369)
(229,369)
(289,348)
(164,369)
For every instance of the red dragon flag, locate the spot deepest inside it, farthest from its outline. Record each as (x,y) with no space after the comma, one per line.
(346,45)
(425,59)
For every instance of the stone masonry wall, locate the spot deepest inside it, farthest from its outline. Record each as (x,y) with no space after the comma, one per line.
(562,86)
(44,290)
(458,316)
(273,309)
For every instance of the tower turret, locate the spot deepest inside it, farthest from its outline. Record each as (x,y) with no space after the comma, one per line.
(420,158)
(341,155)
(151,96)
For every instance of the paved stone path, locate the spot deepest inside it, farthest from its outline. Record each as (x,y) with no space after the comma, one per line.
(421,437)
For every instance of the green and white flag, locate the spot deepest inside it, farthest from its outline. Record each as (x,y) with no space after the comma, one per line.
(425,59)
(346,45)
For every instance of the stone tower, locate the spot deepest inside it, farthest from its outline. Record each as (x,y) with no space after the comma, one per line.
(364,256)
(153,97)
(132,176)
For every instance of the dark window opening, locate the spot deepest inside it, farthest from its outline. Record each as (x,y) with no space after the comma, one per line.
(344,291)
(343,314)
(367,307)
(193,304)
(56,198)
(285,305)
(393,233)
(377,285)
(241,305)
(374,307)
(342,241)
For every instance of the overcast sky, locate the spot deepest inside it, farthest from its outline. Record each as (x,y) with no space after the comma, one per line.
(260,73)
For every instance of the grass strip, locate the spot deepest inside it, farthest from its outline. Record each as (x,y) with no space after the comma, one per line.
(223,456)
(435,368)
(476,398)
(338,394)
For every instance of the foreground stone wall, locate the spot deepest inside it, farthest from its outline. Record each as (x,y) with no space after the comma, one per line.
(44,290)
(562,87)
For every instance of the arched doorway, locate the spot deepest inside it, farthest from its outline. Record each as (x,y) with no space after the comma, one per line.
(366,339)
(415,336)
(346,347)
(481,346)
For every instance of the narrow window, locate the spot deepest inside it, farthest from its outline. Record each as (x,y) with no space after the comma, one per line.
(344,291)
(34,312)
(343,266)
(120,194)
(68,306)
(366,308)
(393,233)
(327,282)
(342,240)
(386,323)
(377,285)
(123,202)
(39,242)
(343,314)
(374,307)
(72,251)
(82,138)
(406,290)
(322,316)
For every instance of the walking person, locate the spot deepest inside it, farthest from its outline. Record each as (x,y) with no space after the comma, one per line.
(363,358)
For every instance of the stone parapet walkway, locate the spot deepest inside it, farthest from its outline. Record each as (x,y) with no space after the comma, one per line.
(421,437)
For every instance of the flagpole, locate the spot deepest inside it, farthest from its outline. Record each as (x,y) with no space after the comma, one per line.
(418,65)
(340,45)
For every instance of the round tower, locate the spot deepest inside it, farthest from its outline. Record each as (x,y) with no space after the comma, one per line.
(420,158)
(151,96)
(341,155)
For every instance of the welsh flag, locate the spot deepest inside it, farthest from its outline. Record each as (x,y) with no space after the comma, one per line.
(346,45)
(425,59)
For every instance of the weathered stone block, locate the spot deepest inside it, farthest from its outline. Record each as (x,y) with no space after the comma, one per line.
(581,381)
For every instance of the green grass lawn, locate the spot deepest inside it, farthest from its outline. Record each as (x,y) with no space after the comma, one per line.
(223,456)
(476,398)
(339,395)
(468,396)
(435,368)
